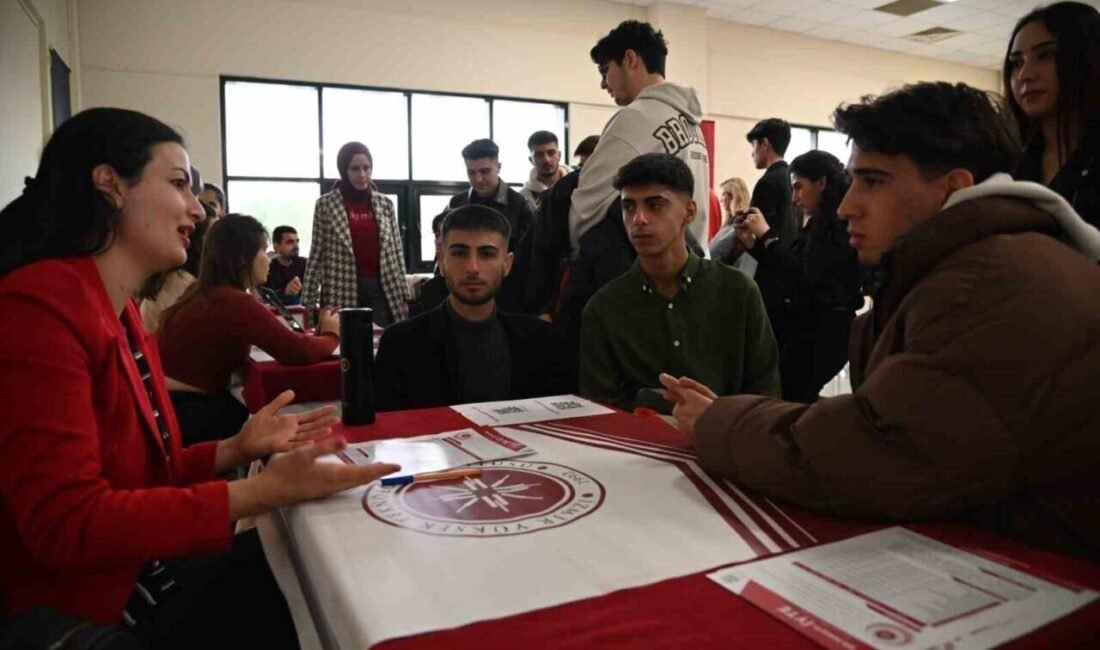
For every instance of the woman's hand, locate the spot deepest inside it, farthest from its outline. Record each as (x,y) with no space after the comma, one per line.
(755,222)
(267,432)
(328,321)
(297,476)
(691,398)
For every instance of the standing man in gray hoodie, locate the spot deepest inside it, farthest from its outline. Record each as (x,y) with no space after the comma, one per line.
(658,116)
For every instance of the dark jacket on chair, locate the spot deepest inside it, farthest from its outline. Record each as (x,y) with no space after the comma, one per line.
(415,363)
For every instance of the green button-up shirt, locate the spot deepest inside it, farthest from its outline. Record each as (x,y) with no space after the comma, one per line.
(714,330)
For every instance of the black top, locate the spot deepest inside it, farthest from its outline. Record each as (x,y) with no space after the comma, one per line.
(417,362)
(1078,181)
(817,271)
(520,214)
(772,196)
(278,276)
(482,360)
(432,294)
(515,208)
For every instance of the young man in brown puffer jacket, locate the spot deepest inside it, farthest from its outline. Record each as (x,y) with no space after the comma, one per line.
(976,373)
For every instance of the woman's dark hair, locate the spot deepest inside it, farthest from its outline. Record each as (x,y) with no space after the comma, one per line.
(61,213)
(816,165)
(218,192)
(1076,27)
(228,250)
(152,286)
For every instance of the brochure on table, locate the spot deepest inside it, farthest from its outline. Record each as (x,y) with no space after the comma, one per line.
(525,411)
(897,588)
(437,452)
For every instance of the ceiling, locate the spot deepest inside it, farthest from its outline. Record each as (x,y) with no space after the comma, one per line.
(983,26)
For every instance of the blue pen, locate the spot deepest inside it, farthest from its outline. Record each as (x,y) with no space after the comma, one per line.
(405,479)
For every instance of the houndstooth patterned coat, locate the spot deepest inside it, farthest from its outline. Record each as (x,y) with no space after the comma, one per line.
(331,274)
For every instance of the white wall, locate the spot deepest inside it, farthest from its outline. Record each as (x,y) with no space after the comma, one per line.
(27,29)
(759,73)
(164,57)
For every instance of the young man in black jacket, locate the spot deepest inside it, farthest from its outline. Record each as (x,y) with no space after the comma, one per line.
(772,193)
(466,350)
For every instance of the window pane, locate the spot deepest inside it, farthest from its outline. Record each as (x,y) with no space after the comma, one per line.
(278,203)
(430,206)
(800,143)
(379,120)
(513,123)
(836,144)
(270,130)
(441,126)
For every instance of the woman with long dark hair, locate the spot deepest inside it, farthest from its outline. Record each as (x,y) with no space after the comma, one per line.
(1052,87)
(94,482)
(356,258)
(811,286)
(220,316)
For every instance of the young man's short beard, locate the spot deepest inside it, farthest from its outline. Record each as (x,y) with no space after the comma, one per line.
(477,302)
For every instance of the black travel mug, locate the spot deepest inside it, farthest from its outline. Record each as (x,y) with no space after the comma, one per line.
(357,365)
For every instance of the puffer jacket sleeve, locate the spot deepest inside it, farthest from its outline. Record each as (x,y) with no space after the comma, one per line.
(918,439)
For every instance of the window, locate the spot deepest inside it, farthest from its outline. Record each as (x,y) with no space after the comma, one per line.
(442,126)
(252,122)
(278,203)
(430,206)
(835,143)
(280,140)
(802,140)
(378,119)
(513,123)
(809,138)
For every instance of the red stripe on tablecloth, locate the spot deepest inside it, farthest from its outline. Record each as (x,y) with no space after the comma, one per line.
(762,523)
(756,511)
(653,445)
(668,452)
(712,498)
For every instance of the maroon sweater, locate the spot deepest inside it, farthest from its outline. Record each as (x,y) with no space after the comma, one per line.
(210,337)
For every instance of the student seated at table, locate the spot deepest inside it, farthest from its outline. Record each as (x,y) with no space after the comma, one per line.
(672,311)
(974,374)
(208,333)
(466,350)
(94,482)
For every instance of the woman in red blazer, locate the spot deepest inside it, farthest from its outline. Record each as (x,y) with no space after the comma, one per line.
(94,484)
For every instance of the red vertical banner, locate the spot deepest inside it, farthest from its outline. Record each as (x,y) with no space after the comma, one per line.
(715,217)
(708,137)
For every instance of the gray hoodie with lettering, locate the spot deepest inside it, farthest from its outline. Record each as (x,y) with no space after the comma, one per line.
(663,118)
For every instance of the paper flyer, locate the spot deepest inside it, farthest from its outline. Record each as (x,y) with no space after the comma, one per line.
(898,589)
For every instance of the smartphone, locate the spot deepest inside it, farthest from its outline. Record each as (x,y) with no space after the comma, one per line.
(269,296)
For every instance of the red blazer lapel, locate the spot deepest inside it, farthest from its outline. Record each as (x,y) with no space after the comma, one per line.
(133,376)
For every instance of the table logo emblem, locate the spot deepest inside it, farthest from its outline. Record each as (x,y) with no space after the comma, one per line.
(890,634)
(511,497)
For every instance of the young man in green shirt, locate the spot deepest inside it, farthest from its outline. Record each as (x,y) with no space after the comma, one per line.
(672,312)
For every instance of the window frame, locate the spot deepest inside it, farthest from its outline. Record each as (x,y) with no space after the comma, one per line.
(814,132)
(408,191)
